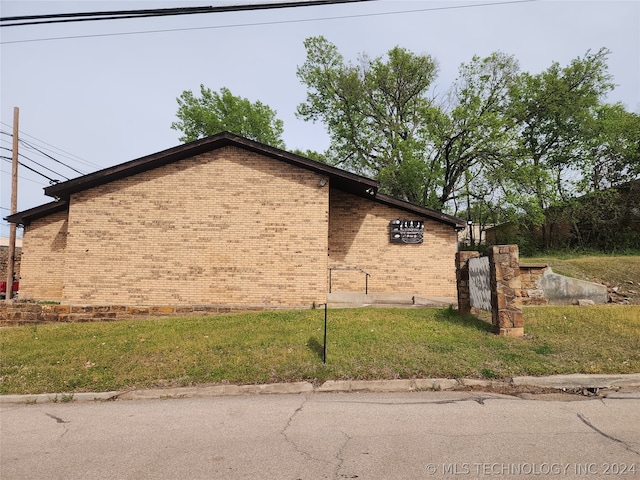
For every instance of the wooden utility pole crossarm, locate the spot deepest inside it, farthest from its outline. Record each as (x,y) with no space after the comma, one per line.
(14,206)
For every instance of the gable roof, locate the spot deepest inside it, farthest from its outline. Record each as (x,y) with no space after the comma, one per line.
(340,179)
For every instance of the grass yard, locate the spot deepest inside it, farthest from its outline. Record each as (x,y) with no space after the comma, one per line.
(287,346)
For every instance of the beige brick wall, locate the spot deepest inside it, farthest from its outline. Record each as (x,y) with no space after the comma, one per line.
(359,237)
(42,266)
(225,227)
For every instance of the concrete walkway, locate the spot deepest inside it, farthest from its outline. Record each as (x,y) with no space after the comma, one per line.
(395,300)
(576,383)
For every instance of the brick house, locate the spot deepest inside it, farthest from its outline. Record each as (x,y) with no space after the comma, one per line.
(228,221)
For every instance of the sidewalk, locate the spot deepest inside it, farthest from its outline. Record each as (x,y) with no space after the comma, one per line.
(576,383)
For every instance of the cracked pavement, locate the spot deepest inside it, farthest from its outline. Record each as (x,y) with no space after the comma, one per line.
(324,436)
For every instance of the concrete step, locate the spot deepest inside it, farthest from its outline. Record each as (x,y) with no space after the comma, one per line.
(357,299)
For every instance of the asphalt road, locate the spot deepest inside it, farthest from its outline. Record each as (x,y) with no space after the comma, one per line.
(414,435)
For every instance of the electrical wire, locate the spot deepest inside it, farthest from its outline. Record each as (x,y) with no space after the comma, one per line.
(24,142)
(277,22)
(37,163)
(52,148)
(33,147)
(159,12)
(10,160)
(25,178)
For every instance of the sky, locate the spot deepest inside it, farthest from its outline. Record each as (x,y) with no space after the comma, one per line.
(109,95)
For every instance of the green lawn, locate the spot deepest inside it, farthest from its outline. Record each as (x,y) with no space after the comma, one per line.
(287,346)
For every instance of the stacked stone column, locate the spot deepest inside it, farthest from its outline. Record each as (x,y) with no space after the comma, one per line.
(506,292)
(506,296)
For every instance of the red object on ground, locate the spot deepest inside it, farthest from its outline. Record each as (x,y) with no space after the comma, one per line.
(3,287)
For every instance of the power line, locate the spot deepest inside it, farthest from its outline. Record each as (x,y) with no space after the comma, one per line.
(39,164)
(159,12)
(56,150)
(277,22)
(25,178)
(41,152)
(8,159)
(49,156)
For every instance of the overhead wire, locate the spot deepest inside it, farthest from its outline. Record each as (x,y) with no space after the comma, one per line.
(9,159)
(32,147)
(276,22)
(25,20)
(25,178)
(28,145)
(52,148)
(37,163)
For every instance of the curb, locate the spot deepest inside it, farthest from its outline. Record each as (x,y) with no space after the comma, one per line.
(555,382)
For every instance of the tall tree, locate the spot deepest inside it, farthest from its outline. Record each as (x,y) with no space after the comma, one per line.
(374,112)
(215,112)
(471,132)
(612,150)
(552,110)
(383,122)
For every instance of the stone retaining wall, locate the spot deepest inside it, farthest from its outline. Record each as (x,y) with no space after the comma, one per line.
(21,313)
(530,275)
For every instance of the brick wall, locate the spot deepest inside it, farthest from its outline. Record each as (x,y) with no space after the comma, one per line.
(4,258)
(226,227)
(359,237)
(42,267)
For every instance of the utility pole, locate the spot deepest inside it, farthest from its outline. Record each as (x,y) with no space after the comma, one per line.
(14,207)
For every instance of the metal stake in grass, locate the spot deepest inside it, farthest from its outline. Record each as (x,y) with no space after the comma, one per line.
(324,344)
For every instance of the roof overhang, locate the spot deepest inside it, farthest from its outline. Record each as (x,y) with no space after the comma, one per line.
(340,178)
(27,216)
(455,222)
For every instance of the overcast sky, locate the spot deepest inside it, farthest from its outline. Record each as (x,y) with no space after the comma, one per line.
(109,96)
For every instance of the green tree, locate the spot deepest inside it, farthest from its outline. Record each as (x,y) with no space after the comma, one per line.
(374,112)
(214,112)
(383,122)
(552,110)
(471,132)
(612,151)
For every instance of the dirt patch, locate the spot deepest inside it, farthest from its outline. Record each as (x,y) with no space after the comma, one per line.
(532,392)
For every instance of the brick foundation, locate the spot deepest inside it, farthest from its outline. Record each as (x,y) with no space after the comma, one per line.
(21,313)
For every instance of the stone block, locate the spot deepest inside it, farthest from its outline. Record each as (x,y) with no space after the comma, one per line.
(162,310)
(81,309)
(505,319)
(138,310)
(502,301)
(511,332)
(518,321)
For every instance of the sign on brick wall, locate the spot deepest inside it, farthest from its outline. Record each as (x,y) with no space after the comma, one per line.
(479,283)
(406,231)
